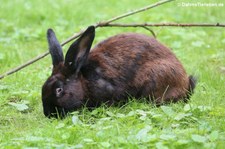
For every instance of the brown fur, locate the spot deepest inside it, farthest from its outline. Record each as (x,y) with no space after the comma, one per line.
(124,65)
(147,61)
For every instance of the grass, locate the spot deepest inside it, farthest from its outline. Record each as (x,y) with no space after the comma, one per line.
(197,124)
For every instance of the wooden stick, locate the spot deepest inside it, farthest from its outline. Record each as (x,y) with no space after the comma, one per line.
(78,34)
(24,65)
(164,24)
(136,11)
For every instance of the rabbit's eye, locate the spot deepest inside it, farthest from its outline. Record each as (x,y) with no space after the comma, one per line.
(59,92)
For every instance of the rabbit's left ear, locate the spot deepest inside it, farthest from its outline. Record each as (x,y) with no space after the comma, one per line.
(55,48)
(79,50)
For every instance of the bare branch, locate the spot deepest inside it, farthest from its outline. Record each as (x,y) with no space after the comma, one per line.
(78,34)
(24,65)
(134,12)
(37,58)
(150,30)
(164,24)
(109,24)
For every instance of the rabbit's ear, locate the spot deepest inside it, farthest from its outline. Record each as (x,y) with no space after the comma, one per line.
(79,50)
(55,48)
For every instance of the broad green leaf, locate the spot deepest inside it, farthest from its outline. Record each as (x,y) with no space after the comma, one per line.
(141,112)
(79,146)
(3,87)
(60,125)
(197,43)
(160,145)
(187,107)
(181,116)
(131,113)
(168,110)
(35,139)
(65,136)
(120,115)
(176,44)
(100,133)
(105,144)
(122,139)
(198,138)
(110,114)
(143,117)
(204,126)
(182,142)
(75,120)
(143,132)
(157,116)
(204,108)
(175,125)
(19,106)
(17,93)
(150,138)
(107,127)
(2,56)
(88,140)
(167,136)
(223,41)
(214,135)
(105,119)
(94,112)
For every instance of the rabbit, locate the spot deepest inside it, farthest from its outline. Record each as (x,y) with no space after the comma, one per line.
(122,66)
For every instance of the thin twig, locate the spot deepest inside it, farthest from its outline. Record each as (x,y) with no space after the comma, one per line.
(78,34)
(37,58)
(135,12)
(150,30)
(164,24)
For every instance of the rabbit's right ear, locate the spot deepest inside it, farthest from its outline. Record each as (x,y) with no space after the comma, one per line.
(55,48)
(79,50)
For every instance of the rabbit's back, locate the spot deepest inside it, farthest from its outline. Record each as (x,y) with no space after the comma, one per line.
(136,65)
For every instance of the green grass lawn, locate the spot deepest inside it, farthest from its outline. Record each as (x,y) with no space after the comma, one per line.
(198,124)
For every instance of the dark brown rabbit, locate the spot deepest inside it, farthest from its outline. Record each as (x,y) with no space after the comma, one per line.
(123,66)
